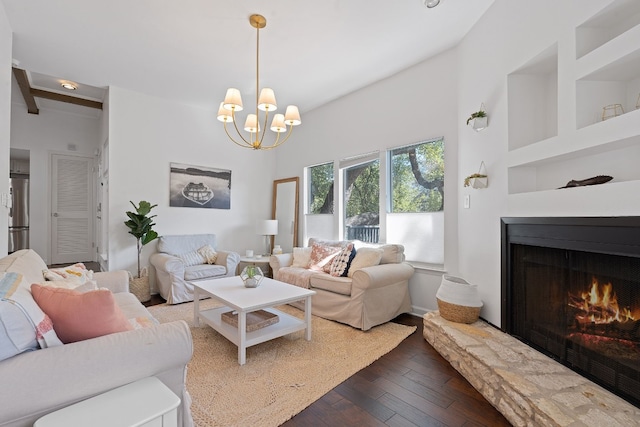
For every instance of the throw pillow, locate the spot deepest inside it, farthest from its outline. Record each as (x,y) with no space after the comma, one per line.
(210,256)
(365,257)
(192,258)
(79,316)
(321,256)
(301,257)
(72,283)
(342,262)
(78,271)
(23,325)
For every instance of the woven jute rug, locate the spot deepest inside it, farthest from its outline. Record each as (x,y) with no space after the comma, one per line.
(281,376)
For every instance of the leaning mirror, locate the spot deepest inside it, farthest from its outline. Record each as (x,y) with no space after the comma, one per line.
(285,210)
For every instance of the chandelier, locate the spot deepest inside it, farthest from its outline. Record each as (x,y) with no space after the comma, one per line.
(265,102)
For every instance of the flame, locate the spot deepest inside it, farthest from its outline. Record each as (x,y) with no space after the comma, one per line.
(600,305)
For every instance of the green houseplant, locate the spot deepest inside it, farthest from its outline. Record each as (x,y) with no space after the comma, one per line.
(140,225)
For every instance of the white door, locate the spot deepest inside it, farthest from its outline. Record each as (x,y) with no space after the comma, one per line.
(71,209)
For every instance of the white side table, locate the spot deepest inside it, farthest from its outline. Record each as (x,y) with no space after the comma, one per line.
(144,403)
(262,262)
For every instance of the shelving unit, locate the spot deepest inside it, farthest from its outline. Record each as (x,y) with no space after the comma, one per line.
(605,70)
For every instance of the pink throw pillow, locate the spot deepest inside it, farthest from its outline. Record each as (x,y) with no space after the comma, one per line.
(79,316)
(321,256)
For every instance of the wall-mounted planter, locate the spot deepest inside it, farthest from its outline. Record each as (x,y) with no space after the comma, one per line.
(478,180)
(478,119)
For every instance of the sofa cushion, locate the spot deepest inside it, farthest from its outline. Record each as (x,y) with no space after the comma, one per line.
(322,256)
(79,316)
(327,282)
(183,243)
(26,262)
(23,325)
(301,257)
(296,276)
(365,257)
(342,261)
(392,254)
(204,271)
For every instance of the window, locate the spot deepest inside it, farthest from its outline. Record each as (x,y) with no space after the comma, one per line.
(361,195)
(321,189)
(417,177)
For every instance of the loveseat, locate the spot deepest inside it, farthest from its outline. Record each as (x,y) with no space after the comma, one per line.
(38,381)
(182,259)
(373,290)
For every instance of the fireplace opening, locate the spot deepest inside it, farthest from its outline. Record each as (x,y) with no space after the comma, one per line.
(571,289)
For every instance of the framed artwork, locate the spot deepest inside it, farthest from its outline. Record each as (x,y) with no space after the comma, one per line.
(199,187)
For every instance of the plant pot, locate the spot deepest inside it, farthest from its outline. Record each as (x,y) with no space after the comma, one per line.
(480,123)
(139,286)
(251,276)
(479,182)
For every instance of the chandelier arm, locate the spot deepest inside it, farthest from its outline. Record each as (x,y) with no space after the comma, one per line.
(276,143)
(235,124)
(264,127)
(246,144)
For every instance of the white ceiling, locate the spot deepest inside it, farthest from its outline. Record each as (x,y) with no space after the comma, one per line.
(191,51)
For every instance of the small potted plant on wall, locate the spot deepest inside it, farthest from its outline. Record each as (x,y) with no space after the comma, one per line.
(140,225)
(478,119)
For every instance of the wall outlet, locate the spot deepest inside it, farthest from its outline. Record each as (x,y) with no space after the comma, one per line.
(467,201)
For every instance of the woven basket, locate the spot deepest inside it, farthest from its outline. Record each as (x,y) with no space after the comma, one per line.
(139,286)
(458,313)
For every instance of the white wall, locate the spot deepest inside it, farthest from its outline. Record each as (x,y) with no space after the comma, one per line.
(507,36)
(5,119)
(417,104)
(51,131)
(146,134)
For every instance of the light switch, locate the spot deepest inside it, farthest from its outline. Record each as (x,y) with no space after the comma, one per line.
(467,201)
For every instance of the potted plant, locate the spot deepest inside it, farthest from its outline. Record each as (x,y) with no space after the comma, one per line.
(479,179)
(478,119)
(251,276)
(140,225)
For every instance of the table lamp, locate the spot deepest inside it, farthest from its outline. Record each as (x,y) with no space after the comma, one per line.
(267,228)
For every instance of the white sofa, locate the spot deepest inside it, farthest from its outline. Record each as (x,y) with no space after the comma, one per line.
(369,297)
(173,275)
(35,383)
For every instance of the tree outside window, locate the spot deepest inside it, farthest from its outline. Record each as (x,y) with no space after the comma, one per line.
(362,201)
(417,177)
(321,189)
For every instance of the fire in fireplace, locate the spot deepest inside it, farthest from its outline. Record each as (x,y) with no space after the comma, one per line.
(571,289)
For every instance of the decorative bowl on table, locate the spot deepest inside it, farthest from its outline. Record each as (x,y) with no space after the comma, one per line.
(251,276)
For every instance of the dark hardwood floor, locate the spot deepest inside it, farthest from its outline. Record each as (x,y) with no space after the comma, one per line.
(410,386)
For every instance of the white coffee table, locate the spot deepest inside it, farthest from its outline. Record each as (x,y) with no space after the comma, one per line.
(231,292)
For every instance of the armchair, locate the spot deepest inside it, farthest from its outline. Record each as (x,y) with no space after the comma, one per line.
(177,264)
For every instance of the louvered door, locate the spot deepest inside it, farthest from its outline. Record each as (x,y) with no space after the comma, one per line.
(71,209)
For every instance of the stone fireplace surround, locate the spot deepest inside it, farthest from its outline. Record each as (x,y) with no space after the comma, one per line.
(526,386)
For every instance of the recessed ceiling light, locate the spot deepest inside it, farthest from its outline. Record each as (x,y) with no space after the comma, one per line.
(69,85)
(431,3)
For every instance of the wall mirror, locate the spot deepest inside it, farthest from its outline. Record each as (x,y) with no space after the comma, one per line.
(285,210)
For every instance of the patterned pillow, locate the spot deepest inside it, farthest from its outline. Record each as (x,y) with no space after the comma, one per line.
(76,271)
(192,258)
(342,261)
(321,256)
(210,256)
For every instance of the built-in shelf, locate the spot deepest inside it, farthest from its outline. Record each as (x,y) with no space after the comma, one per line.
(533,100)
(605,71)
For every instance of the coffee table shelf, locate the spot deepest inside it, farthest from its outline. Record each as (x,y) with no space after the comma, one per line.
(286,325)
(231,292)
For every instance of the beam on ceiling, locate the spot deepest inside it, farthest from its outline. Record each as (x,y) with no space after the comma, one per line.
(66,98)
(25,88)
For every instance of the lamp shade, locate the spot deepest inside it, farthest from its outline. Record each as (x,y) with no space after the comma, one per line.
(277,125)
(292,116)
(267,227)
(233,100)
(267,100)
(251,124)
(224,115)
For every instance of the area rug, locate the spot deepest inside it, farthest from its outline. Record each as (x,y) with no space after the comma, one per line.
(282,376)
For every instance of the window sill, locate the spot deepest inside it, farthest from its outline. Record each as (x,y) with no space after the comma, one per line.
(425,266)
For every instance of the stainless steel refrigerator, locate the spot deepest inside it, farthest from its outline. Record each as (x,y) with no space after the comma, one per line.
(19,212)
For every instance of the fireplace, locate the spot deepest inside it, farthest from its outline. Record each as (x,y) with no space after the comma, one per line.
(571,289)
